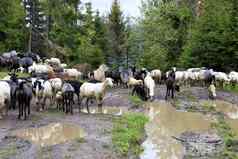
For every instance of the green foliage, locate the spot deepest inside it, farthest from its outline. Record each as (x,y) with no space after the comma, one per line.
(12,32)
(228,136)
(211,43)
(231,88)
(165,28)
(116,35)
(136,100)
(128,133)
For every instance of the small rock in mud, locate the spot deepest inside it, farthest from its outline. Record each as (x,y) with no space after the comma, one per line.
(201,145)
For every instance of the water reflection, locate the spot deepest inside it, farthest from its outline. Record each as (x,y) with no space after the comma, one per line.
(166,122)
(51,134)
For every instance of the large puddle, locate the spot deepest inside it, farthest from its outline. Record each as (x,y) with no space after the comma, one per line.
(166,122)
(52,134)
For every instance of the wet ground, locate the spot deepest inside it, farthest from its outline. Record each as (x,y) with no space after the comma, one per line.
(53,134)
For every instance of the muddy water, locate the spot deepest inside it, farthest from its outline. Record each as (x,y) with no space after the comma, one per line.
(105,110)
(51,134)
(230,110)
(166,122)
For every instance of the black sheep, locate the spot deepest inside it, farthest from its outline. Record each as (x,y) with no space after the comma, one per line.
(171,85)
(76,85)
(68,97)
(24,96)
(140,91)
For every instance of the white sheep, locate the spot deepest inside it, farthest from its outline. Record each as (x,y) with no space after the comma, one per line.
(221,78)
(156,74)
(56,84)
(53,61)
(134,82)
(43,90)
(5,96)
(233,76)
(150,85)
(95,90)
(74,73)
(99,74)
(47,93)
(40,68)
(179,76)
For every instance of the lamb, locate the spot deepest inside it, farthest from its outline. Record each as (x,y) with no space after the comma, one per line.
(150,85)
(5,96)
(73,73)
(59,100)
(24,96)
(212,91)
(157,75)
(133,82)
(95,90)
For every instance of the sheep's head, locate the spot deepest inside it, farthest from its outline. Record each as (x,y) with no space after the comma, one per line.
(109,82)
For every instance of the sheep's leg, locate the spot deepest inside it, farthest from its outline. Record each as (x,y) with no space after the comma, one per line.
(24,108)
(99,101)
(71,102)
(29,107)
(87,105)
(166,96)
(19,113)
(172,91)
(80,101)
(133,91)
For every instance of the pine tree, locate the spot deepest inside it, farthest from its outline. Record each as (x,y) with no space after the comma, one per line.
(117,51)
(12,26)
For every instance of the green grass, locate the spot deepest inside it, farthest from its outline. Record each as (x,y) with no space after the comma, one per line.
(208,106)
(7,152)
(231,88)
(128,133)
(135,100)
(225,131)
(5,73)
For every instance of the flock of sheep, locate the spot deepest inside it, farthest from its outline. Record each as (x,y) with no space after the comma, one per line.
(51,80)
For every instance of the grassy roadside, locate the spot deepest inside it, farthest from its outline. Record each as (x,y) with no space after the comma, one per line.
(128,133)
(231,88)
(230,150)
(20,75)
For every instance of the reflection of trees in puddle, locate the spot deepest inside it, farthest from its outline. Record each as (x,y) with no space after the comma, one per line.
(166,121)
(105,110)
(51,134)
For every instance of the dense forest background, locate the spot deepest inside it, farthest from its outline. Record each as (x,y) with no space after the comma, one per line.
(182,33)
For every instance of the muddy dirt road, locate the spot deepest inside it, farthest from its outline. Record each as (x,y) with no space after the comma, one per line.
(49,134)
